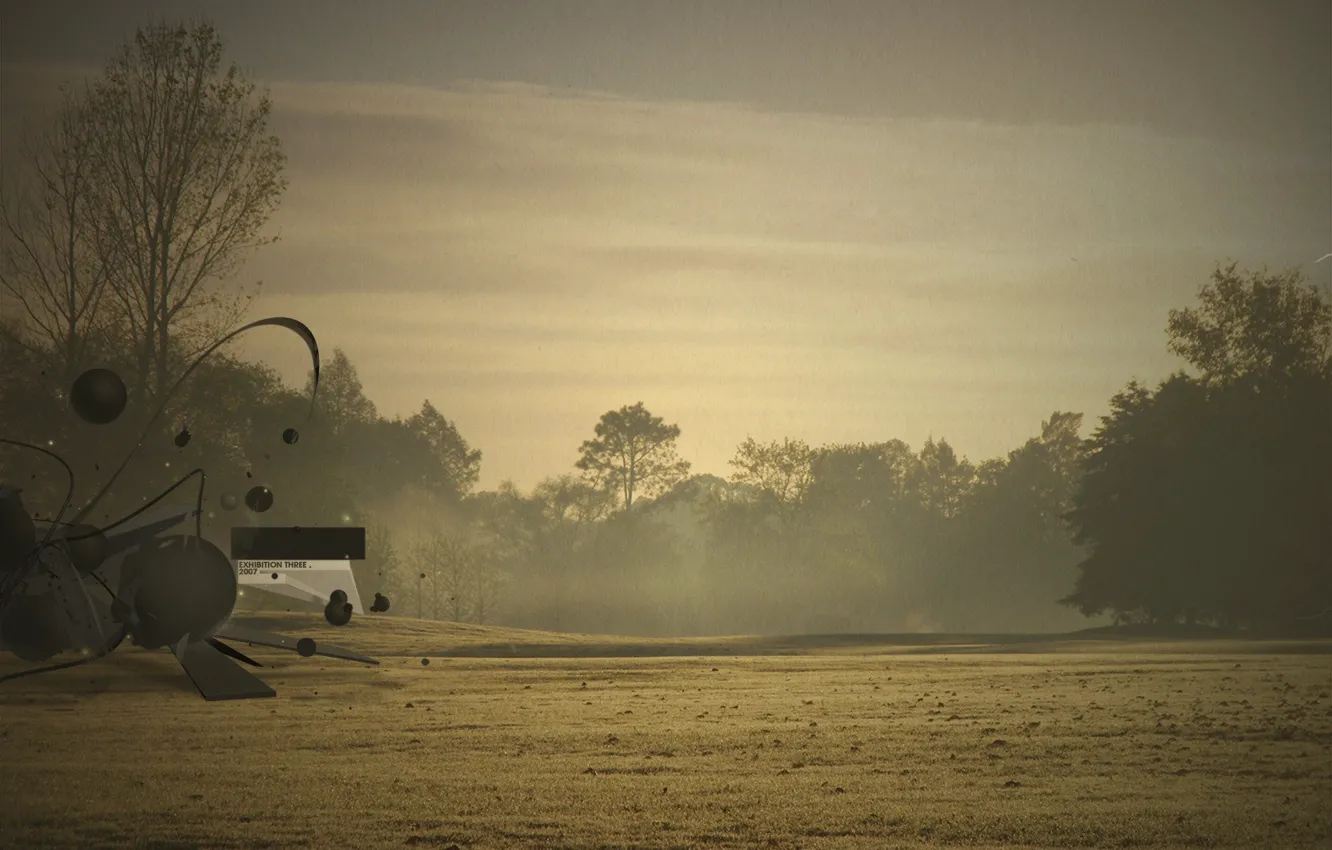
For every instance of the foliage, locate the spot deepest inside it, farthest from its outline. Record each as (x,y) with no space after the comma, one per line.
(461,464)
(1207,499)
(187,175)
(49,264)
(1261,327)
(633,454)
(781,470)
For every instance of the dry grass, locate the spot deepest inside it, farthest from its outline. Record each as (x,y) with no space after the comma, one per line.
(868,744)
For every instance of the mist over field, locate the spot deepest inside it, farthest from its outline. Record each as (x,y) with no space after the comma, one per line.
(937,345)
(772,425)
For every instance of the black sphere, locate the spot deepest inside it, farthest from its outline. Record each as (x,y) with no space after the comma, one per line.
(306,647)
(259,499)
(86,545)
(290,436)
(183,438)
(338,613)
(18,535)
(98,396)
(182,585)
(31,627)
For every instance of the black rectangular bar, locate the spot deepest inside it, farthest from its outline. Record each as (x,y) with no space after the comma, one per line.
(303,543)
(217,676)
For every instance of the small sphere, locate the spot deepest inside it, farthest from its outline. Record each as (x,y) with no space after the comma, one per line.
(229,501)
(259,499)
(86,545)
(338,613)
(290,436)
(306,647)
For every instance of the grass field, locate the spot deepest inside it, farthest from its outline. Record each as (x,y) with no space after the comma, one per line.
(525,739)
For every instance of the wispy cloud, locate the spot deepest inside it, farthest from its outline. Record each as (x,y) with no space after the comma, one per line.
(504,248)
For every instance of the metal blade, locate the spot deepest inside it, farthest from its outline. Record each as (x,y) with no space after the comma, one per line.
(258,637)
(216,676)
(143,530)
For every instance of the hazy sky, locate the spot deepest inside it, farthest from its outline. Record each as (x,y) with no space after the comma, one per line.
(833,221)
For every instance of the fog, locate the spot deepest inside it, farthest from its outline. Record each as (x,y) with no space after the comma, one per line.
(966,317)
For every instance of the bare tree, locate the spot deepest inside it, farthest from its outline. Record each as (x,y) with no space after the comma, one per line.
(569,508)
(48,263)
(466,578)
(445,559)
(486,586)
(188,175)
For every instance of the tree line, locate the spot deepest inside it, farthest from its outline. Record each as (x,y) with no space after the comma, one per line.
(1206,499)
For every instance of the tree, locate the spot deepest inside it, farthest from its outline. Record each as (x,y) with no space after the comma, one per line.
(782,470)
(464,582)
(1209,498)
(485,585)
(48,261)
(442,558)
(461,462)
(567,501)
(1262,326)
(862,494)
(1046,471)
(341,399)
(536,545)
(187,176)
(941,480)
(1011,556)
(379,572)
(1151,504)
(633,454)
(569,510)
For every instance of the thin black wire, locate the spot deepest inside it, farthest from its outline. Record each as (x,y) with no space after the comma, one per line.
(198,513)
(198,517)
(280,321)
(198,507)
(65,665)
(292,324)
(52,667)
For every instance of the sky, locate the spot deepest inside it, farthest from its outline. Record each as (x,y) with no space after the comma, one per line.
(833,221)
